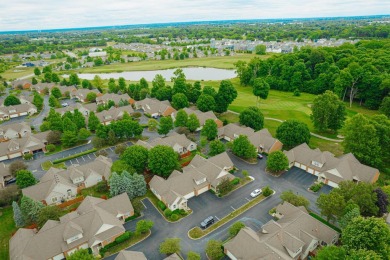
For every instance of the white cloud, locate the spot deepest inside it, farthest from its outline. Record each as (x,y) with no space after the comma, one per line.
(49,14)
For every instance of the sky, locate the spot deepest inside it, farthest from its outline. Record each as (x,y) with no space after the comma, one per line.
(55,14)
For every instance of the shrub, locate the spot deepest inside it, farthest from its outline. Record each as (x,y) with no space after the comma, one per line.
(235,228)
(102,186)
(174,217)
(161,205)
(297,93)
(245,173)
(236,181)
(267,191)
(51,147)
(28,156)
(136,114)
(167,213)
(316,187)
(125,236)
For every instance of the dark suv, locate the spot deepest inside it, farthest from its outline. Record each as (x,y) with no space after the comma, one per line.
(207,222)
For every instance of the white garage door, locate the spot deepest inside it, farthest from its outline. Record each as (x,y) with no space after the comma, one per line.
(14,115)
(3,158)
(316,173)
(297,164)
(333,184)
(15,155)
(310,170)
(303,167)
(189,195)
(23,114)
(227,138)
(202,190)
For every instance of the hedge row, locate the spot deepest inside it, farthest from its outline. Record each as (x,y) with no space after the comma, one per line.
(74,156)
(122,238)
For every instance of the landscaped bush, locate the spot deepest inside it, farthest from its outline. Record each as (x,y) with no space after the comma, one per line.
(174,217)
(161,205)
(51,147)
(267,191)
(136,114)
(136,215)
(125,236)
(316,187)
(147,115)
(102,186)
(167,213)
(236,181)
(28,156)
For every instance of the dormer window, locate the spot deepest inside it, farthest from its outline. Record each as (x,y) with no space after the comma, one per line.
(316,163)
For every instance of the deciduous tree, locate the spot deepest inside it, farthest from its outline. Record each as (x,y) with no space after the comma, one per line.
(277,161)
(136,156)
(328,112)
(162,160)
(369,234)
(166,125)
(93,121)
(227,93)
(144,226)
(260,89)
(56,92)
(69,138)
(292,133)
(294,199)
(243,148)
(193,123)
(210,129)
(179,101)
(214,249)
(235,228)
(216,147)
(252,117)
(205,103)
(25,179)
(181,118)
(170,246)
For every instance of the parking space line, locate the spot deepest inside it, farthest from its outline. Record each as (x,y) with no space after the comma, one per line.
(89,157)
(77,160)
(111,149)
(144,204)
(247,199)
(232,208)
(83,158)
(71,162)
(217,218)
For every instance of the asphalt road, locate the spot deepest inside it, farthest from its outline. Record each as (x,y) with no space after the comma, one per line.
(208,204)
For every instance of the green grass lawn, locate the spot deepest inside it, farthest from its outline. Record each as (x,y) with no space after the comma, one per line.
(48,164)
(92,191)
(7,228)
(225,62)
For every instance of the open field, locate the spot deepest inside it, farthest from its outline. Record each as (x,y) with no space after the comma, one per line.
(225,62)
(7,228)
(16,73)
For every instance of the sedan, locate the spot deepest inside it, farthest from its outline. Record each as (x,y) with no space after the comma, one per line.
(255,193)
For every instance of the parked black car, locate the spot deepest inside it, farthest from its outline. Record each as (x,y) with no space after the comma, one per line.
(10,181)
(207,222)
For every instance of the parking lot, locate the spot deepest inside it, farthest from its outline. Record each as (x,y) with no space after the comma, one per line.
(92,156)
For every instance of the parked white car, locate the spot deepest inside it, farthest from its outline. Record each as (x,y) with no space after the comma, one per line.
(256,193)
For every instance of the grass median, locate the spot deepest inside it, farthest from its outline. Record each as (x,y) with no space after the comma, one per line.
(197,232)
(48,164)
(74,156)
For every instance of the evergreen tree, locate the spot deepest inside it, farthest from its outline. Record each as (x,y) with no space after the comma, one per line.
(31,209)
(18,215)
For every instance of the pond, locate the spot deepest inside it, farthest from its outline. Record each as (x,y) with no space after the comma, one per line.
(198,73)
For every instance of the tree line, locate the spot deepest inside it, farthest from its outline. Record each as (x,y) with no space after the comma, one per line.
(354,72)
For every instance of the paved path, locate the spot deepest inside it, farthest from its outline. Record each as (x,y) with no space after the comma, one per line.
(313,134)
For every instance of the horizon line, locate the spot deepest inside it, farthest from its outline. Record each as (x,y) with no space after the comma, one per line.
(182,22)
